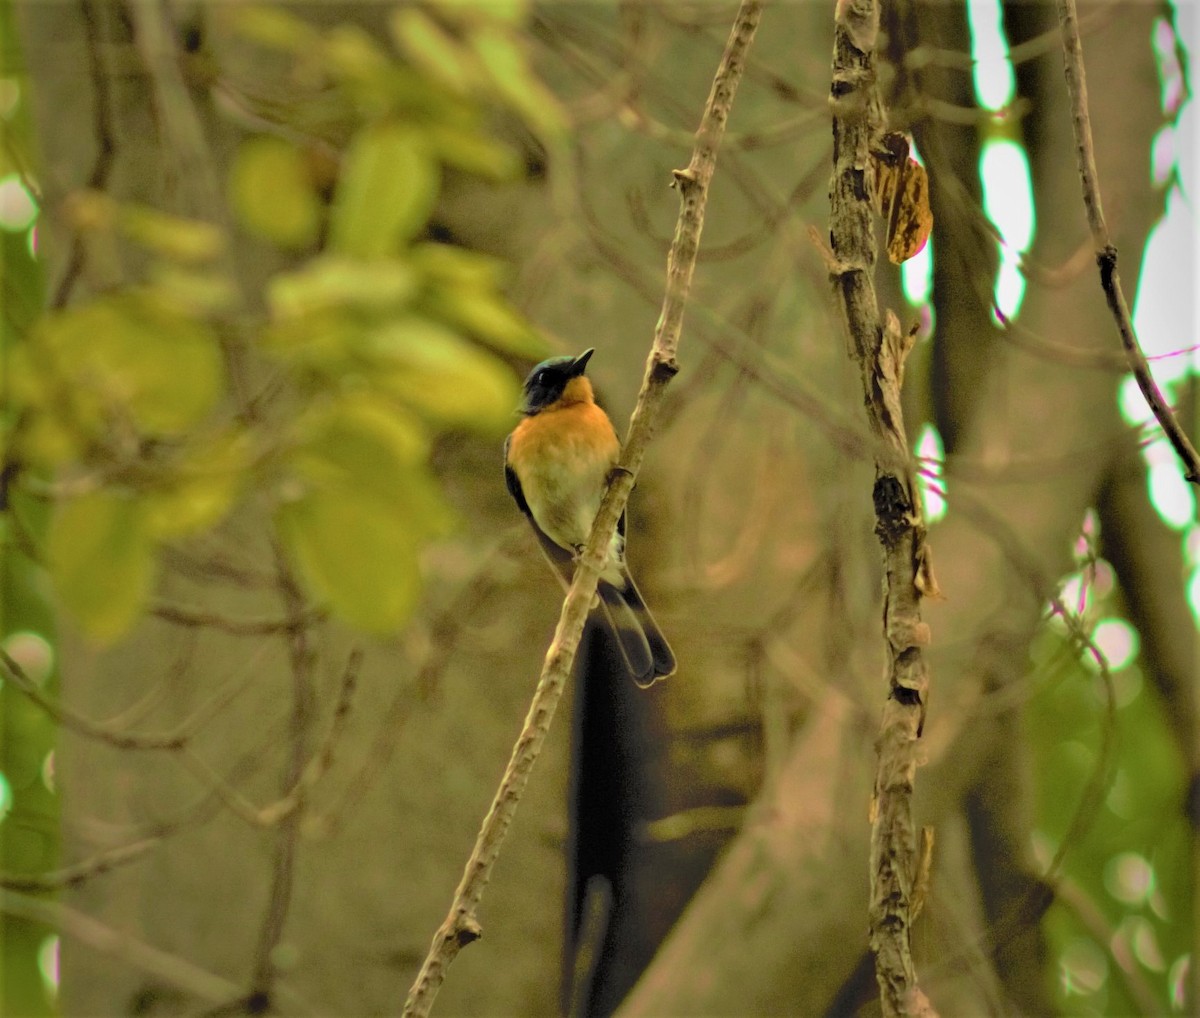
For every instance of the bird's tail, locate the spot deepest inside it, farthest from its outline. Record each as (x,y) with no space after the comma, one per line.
(647,654)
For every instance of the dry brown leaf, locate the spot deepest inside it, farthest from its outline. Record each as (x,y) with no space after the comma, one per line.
(902,197)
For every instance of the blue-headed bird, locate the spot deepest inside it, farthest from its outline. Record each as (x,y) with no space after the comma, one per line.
(556,464)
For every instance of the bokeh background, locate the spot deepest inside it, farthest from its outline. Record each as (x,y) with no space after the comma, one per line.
(272,276)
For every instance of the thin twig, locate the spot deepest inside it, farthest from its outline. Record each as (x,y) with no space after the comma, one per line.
(880,349)
(283,864)
(171,969)
(322,759)
(461,925)
(193,618)
(77,873)
(106,144)
(83,725)
(1106,252)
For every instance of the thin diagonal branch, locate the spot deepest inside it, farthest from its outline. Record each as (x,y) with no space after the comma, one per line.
(171,969)
(82,725)
(880,349)
(77,873)
(1106,252)
(461,925)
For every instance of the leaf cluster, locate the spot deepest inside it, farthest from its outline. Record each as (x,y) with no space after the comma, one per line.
(150,410)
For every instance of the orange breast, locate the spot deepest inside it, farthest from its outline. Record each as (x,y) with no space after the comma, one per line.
(562,457)
(575,434)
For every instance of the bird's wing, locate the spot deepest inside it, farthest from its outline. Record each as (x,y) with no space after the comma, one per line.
(513,482)
(561,559)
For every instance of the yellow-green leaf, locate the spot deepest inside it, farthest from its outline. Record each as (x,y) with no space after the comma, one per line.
(354,555)
(101,556)
(271,26)
(470,13)
(323,341)
(444,377)
(131,350)
(361,447)
(509,72)
(388,189)
(196,291)
(472,151)
(360,503)
(458,266)
(334,281)
(203,487)
(272,192)
(174,237)
(433,49)
(488,316)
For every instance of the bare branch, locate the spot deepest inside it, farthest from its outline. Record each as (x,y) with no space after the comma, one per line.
(82,725)
(106,145)
(461,926)
(283,864)
(1106,252)
(193,618)
(880,350)
(173,970)
(77,873)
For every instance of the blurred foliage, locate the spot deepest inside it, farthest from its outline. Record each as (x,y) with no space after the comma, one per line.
(130,408)
(162,396)
(1124,918)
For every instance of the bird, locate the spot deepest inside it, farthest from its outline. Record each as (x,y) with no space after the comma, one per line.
(556,465)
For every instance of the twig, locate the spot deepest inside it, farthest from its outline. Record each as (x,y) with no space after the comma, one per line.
(77,873)
(461,925)
(106,144)
(1106,252)
(880,350)
(194,618)
(284,862)
(82,725)
(322,760)
(171,969)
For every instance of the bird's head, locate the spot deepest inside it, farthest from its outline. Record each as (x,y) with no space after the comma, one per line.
(559,379)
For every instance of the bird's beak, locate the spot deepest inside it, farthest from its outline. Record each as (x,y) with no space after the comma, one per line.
(580,364)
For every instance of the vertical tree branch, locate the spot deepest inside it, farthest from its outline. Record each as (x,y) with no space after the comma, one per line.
(1106,252)
(461,925)
(283,863)
(880,350)
(106,145)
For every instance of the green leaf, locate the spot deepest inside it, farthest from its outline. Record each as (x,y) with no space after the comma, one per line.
(387,191)
(354,555)
(472,151)
(201,490)
(323,340)
(459,266)
(271,26)
(196,292)
(272,193)
(363,448)
(488,316)
(509,72)
(434,50)
(334,281)
(471,13)
(182,240)
(361,504)
(101,556)
(444,377)
(132,350)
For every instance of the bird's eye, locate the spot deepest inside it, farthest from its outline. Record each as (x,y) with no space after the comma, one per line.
(541,378)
